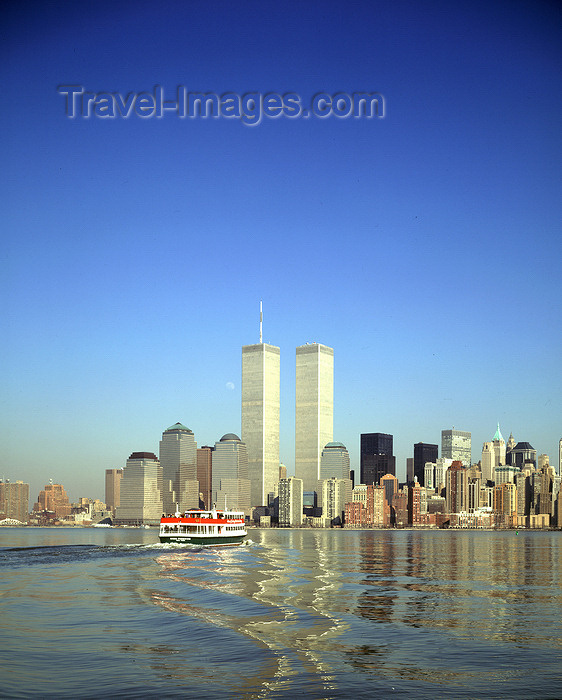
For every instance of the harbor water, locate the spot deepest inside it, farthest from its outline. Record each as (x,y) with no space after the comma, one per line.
(96,613)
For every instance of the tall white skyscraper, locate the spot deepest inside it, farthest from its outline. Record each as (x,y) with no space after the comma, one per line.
(314,410)
(178,459)
(260,417)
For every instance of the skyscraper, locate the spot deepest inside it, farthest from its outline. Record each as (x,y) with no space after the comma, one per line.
(423,452)
(14,500)
(457,487)
(113,488)
(435,473)
(314,409)
(231,486)
(493,456)
(488,462)
(523,454)
(290,502)
(456,445)
(205,474)
(376,455)
(390,485)
(509,447)
(334,461)
(410,470)
(499,447)
(53,498)
(178,459)
(335,493)
(260,417)
(141,490)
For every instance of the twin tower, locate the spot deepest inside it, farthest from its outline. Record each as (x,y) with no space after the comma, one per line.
(314,414)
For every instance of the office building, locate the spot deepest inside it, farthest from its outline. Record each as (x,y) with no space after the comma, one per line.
(314,410)
(509,447)
(390,485)
(400,514)
(493,456)
(260,417)
(410,470)
(359,494)
(14,500)
(113,488)
(334,461)
(335,494)
(505,475)
(456,445)
(434,473)
(377,508)
(310,503)
(523,454)
(231,485)
(505,504)
(415,504)
(456,484)
(423,452)
(499,448)
(441,466)
(178,460)
(141,491)
(560,460)
(290,502)
(376,457)
(205,475)
(474,491)
(53,499)
(487,461)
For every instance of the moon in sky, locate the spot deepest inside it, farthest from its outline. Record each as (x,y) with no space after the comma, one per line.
(230,385)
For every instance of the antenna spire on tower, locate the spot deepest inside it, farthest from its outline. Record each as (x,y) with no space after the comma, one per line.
(261,322)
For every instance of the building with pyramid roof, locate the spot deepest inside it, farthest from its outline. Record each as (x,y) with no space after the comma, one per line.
(178,459)
(493,456)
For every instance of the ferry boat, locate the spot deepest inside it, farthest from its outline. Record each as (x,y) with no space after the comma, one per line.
(207,527)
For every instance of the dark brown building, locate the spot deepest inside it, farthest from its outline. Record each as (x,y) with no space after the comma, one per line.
(205,474)
(113,488)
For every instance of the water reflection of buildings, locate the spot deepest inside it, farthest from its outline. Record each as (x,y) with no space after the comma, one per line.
(377,563)
(309,598)
(477,584)
(294,601)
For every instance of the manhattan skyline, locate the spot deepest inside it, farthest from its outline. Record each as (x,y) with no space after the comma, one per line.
(423,247)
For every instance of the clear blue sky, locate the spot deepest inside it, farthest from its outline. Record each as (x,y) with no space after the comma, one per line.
(424,247)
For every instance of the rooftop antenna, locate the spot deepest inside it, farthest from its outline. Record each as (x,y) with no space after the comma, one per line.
(261,323)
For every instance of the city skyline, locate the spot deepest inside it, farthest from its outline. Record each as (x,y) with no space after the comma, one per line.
(417,245)
(274,409)
(400,469)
